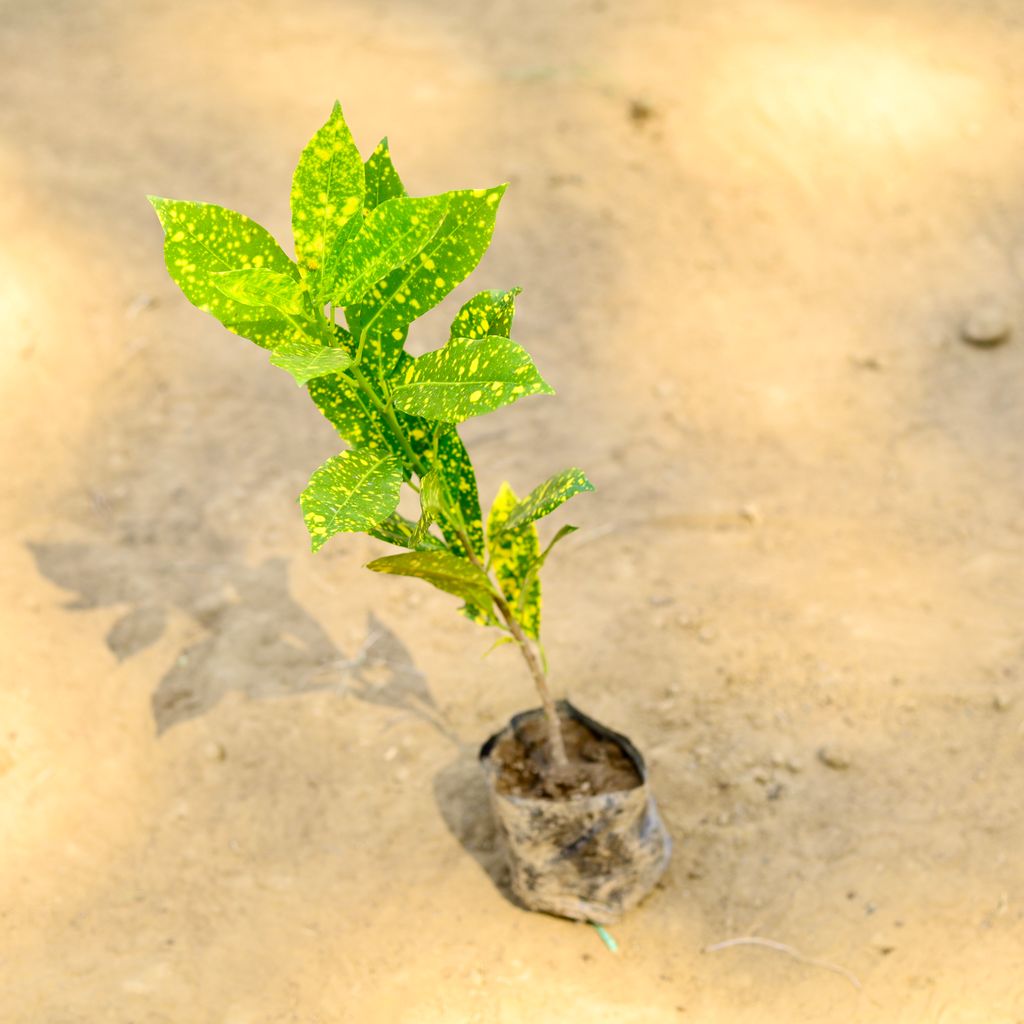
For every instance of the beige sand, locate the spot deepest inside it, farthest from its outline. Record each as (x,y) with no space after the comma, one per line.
(748,233)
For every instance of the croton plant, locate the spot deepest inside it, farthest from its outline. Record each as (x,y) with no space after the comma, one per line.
(369,260)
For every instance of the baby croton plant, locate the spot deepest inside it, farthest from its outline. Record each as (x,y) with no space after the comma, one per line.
(369,260)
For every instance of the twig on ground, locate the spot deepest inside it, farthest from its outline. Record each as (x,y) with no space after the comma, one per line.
(756,940)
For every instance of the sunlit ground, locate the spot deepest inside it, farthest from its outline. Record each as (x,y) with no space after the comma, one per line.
(748,236)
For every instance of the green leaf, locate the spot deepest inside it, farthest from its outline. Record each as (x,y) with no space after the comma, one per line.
(514,553)
(543,500)
(351,413)
(327,192)
(432,505)
(202,241)
(486,315)
(391,235)
(349,410)
(467,378)
(382,180)
(453,463)
(441,569)
(260,287)
(445,262)
(432,495)
(306,362)
(398,530)
(351,492)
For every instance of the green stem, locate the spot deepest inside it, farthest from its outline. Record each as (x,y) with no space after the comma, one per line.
(533,663)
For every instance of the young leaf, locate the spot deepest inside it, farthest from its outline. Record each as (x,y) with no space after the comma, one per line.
(352,414)
(467,378)
(392,234)
(432,498)
(445,262)
(513,555)
(327,192)
(261,287)
(309,361)
(443,570)
(432,502)
(201,241)
(382,180)
(543,500)
(351,492)
(398,530)
(486,315)
(456,471)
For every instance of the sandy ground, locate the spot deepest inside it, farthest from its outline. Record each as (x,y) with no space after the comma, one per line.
(237,781)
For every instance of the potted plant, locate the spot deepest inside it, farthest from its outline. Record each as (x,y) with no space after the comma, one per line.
(571,799)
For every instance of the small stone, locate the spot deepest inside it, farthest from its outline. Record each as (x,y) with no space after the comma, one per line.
(987,325)
(834,758)
(707,635)
(882,943)
(640,111)
(751,513)
(774,791)
(214,751)
(391,753)
(1002,701)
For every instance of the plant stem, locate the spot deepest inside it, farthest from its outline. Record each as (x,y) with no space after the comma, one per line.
(533,663)
(540,678)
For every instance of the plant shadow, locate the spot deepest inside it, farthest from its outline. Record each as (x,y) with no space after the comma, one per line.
(259,641)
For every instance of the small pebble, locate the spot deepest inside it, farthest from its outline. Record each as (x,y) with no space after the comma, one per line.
(1002,702)
(707,634)
(214,751)
(987,325)
(833,757)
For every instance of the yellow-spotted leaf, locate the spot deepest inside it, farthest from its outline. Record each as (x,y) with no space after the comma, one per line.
(444,262)
(391,235)
(306,362)
(514,554)
(441,569)
(327,192)
(467,378)
(486,315)
(203,241)
(401,532)
(261,287)
(351,492)
(543,500)
(382,180)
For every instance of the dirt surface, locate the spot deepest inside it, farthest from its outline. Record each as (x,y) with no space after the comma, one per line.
(238,782)
(596,763)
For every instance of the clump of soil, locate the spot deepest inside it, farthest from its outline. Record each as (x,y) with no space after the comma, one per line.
(597,764)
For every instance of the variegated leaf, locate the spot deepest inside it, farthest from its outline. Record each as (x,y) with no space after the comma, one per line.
(351,492)
(309,361)
(486,315)
(441,569)
(445,262)
(262,287)
(201,241)
(513,555)
(467,378)
(543,500)
(382,180)
(392,234)
(327,192)
(398,530)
